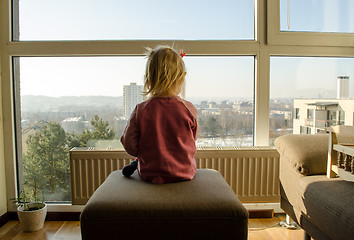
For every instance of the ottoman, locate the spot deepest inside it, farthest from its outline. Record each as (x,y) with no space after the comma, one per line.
(129,208)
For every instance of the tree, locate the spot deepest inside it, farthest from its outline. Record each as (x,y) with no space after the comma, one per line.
(101,131)
(46,162)
(212,127)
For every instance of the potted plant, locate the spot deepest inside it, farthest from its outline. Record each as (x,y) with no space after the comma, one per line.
(31,210)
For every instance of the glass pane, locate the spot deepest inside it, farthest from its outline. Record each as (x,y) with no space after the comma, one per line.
(308,94)
(70,102)
(78,102)
(221,88)
(118,19)
(317,16)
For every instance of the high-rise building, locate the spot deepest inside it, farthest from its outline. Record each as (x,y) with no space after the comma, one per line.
(343,87)
(132,96)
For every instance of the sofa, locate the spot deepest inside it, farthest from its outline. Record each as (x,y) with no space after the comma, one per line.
(323,207)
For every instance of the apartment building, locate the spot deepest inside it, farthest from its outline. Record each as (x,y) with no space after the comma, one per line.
(315,115)
(132,96)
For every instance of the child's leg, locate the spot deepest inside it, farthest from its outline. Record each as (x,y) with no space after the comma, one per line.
(130,169)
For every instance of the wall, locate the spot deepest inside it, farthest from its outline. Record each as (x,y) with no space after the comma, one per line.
(3,194)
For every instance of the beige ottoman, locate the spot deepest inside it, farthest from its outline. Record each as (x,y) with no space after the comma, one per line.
(129,208)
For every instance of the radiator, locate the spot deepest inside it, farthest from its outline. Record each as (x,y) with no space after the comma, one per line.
(252,173)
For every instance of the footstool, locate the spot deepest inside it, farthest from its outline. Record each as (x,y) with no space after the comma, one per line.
(129,208)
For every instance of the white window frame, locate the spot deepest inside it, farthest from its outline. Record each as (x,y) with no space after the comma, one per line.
(267,44)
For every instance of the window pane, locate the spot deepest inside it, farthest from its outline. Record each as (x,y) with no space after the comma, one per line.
(317,16)
(118,19)
(70,102)
(309,94)
(221,88)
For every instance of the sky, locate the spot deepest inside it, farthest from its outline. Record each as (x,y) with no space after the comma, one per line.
(317,16)
(135,19)
(189,20)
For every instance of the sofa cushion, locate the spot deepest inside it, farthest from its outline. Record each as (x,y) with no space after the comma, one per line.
(307,153)
(328,204)
(204,208)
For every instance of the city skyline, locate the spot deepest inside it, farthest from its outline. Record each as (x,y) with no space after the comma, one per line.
(292,77)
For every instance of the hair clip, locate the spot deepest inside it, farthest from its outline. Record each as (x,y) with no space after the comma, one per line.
(182,54)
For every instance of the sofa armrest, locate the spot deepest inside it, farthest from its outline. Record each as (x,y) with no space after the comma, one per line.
(306,153)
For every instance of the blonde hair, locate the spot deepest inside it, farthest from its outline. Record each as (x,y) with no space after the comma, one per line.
(165,71)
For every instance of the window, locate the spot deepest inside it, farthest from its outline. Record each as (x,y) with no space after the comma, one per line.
(283,69)
(341,117)
(303,130)
(68,94)
(310,86)
(297,113)
(317,16)
(332,115)
(225,113)
(68,102)
(309,131)
(310,114)
(305,23)
(132,20)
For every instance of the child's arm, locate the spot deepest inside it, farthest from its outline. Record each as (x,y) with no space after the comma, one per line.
(194,112)
(131,135)
(196,129)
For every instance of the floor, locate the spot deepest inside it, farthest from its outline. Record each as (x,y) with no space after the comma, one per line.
(258,229)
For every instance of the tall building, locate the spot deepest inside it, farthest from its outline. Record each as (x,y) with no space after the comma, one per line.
(132,96)
(343,87)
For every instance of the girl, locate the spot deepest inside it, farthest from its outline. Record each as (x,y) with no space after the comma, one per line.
(161,131)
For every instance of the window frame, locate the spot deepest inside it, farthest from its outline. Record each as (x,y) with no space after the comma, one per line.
(268,42)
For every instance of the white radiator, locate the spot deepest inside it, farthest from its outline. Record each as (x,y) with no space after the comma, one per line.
(252,173)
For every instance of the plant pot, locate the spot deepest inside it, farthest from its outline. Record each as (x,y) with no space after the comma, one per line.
(32,220)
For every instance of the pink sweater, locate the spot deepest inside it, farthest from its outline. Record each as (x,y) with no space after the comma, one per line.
(161,133)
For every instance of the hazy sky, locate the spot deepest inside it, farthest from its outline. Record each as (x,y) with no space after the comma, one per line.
(63,76)
(317,16)
(207,76)
(136,19)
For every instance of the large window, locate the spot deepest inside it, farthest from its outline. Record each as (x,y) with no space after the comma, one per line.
(254,67)
(68,102)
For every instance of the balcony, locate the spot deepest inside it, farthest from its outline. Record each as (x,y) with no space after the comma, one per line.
(322,124)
